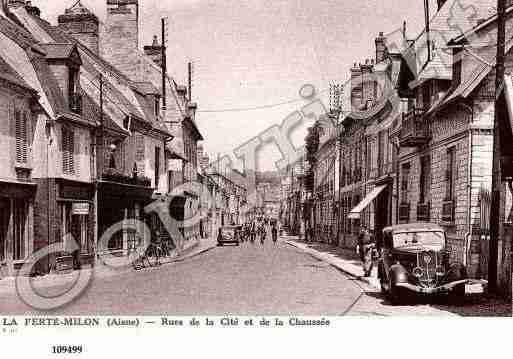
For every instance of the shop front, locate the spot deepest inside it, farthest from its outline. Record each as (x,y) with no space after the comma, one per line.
(16,225)
(75,218)
(117,203)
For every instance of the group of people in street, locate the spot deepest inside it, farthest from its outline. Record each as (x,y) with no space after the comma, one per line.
(259,229)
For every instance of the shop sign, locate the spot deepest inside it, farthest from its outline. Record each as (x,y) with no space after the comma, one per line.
(80,209)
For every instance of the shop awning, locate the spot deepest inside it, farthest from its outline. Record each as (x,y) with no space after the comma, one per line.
(355,212)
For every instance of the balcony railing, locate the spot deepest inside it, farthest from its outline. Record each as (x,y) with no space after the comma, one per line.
(114,175)
(75,103)
(414,129)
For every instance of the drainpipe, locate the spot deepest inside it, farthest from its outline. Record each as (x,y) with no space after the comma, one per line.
(468,234)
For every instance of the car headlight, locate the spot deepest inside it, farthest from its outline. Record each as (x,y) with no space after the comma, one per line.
(418,272)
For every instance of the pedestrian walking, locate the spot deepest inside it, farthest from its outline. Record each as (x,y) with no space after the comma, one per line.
(274,231)
(365,249)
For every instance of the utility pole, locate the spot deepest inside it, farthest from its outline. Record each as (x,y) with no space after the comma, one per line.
(99,167)
(164,63)
(428,41)
(189,65)
(496,172)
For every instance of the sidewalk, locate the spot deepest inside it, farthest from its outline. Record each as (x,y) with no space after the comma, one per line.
(344,259)
(8,284)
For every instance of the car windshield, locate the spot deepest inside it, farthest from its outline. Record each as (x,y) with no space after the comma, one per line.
(409,239)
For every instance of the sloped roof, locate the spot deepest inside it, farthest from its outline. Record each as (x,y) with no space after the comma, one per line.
(7,73)
(58,50)
(12,50)
(477,63)
(453,19)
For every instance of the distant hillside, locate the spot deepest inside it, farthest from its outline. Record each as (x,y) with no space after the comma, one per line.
(269,177)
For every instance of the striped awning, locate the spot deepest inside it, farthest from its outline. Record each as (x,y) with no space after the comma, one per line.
(355,212)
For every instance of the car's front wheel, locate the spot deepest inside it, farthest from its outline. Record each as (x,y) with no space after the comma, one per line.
(393,292)
(456,296)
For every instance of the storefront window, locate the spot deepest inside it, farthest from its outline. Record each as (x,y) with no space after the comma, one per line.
(75,223)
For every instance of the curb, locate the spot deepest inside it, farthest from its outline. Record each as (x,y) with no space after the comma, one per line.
(7,284)
(371,281)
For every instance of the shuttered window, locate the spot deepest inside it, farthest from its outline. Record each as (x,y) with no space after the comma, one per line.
(21,129)
(68,146)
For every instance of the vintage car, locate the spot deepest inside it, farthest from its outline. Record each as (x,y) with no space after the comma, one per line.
(229,235)
(414,259)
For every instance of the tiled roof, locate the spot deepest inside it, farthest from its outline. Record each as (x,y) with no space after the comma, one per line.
(453,19)
(7,73)
(49,84)
(146,88)
(477,63)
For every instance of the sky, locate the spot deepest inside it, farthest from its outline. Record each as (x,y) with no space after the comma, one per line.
(259,53)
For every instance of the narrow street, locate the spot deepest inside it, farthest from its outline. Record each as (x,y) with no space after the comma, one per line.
(250,279)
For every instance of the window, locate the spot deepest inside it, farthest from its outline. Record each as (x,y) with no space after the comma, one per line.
(426,94)
(381,148)
(21,129)
(68,147)
(425,179)
(450,174)
(405,176)
(369,157)
(157,107)
(157,167)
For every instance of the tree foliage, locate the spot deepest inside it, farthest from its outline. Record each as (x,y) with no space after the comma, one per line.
(312,146)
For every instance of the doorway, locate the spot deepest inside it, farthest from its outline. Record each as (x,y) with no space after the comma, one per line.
(383,213)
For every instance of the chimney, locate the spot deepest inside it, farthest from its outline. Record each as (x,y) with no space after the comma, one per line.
(440,3)
(356,84)
(380,47)
(154,51)
(192,106)
(15,3)
(32,10)
(182,92)
(82,24)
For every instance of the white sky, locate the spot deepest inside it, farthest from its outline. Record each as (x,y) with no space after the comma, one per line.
(259,52)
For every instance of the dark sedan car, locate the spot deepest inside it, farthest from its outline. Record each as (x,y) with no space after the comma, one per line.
(415,259)
(229,235)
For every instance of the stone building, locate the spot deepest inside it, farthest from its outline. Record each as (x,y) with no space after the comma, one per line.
(368,151)
(119,45)
(325,179)
(103,143)
(446,136)
(21,114)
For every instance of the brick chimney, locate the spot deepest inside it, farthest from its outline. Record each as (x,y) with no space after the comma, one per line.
(119,40)
(82,24)
(356,84)
(380,47)
(368,82)
(33,10)
(440,3)
(154,51)
(15,3)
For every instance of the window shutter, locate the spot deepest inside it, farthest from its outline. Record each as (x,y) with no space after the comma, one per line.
(68,149)
(21,137)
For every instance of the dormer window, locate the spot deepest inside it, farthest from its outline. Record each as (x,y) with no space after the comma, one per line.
(156,107)
(75,100)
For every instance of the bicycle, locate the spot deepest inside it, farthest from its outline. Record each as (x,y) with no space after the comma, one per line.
(151,255)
